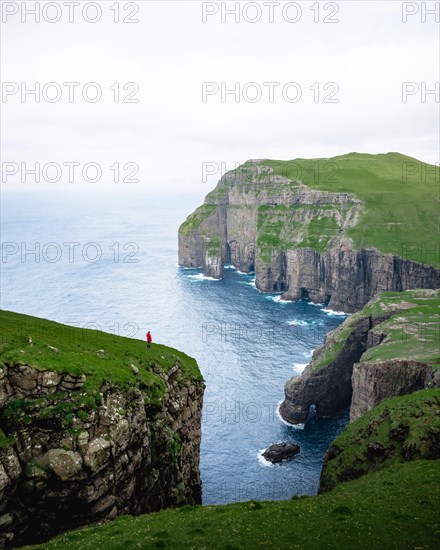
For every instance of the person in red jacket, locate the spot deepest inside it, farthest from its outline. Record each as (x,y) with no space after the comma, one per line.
(149,339)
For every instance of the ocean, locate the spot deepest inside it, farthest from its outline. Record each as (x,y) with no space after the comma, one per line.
(109,262)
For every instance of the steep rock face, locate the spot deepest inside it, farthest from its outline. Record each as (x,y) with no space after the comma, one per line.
(373,382)
(389,348)
(127,456)
(328,388)
(295,238)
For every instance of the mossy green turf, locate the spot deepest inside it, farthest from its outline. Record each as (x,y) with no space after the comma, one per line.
(406,428)
(393,509)
(412,331)
(284,227)
(196,218)
(400,195)
(102,357)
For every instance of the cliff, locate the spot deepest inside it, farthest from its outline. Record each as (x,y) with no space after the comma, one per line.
(337,231)
(400,429)
(92,426)
(389,348)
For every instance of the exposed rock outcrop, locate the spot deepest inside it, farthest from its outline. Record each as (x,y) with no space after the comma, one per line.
(281,451)
(295,238)
(389,348)
(126,455)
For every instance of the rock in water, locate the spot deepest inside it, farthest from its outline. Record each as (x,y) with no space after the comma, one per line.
(281,451)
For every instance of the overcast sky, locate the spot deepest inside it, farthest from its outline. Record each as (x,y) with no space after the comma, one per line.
(356,64)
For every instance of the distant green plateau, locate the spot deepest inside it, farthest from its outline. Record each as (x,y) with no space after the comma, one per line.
(400,210)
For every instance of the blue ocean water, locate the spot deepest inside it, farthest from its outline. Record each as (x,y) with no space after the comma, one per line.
(110,262)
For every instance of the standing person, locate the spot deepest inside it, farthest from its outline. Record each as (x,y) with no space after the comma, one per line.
(149,339)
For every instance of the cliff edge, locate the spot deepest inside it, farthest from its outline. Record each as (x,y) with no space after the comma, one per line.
(389,348)
(92,426)
(337,231)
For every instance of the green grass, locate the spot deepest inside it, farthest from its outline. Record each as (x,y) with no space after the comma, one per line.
(398,430)
(400,195)
(99,355)
(412,331)
(102,357)
(196,218)
(394,509)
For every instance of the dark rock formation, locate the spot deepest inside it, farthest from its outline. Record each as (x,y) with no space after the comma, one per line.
(341,374)
(328,388)
(281,451)
(373,382)
(126,456)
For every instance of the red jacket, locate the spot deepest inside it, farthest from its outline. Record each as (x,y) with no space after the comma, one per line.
(149,339)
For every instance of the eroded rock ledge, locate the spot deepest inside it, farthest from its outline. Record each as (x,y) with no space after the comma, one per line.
(387,349)
(126,455)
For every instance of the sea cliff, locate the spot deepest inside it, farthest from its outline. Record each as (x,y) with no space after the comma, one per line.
(389,348)
(337,237)
(92,426)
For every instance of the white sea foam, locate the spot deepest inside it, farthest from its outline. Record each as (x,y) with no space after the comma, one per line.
(313,304)
(279,299)
(308,354)
(229,266)
(299,367)
(294,426)
(263,461)
(298,322)
(333,313)
(201,277)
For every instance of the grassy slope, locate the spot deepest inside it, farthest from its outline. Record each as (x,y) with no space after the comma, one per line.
(98,355)
(102,357)
(401,208)
(398,430)
(394,508)
(412,332)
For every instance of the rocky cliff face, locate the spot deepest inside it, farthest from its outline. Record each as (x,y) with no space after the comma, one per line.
(126,455)
(297,239)
(389,348)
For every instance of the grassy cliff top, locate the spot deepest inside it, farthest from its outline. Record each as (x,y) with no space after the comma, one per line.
(393,508)
(400,197)
(412,331)
(398,430)
(102,357)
